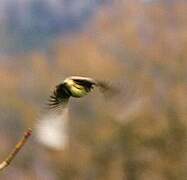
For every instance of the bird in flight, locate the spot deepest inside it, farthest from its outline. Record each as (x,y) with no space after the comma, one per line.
(52,128)
(77,87)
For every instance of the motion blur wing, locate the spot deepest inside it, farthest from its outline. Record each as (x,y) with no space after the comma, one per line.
(107,89)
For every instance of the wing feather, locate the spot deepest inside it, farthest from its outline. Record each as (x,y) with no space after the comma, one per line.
(60,96)
(88,85)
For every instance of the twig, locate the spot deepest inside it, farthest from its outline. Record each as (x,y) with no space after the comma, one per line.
(17,148)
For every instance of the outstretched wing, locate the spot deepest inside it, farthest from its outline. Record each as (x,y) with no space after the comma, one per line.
(87,84)
(60,96)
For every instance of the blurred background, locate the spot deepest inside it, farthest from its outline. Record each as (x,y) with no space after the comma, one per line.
(138,45)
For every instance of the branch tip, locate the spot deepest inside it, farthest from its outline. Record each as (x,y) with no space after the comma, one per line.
(16,149)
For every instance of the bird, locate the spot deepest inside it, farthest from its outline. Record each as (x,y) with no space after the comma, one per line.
(52,128)
(77,87)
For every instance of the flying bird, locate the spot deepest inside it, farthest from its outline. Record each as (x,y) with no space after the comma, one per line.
(77,87)
(52,128)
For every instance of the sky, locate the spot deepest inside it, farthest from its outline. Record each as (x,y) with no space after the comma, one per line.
(34,23)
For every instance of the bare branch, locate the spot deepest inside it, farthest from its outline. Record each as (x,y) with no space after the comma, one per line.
(17,148)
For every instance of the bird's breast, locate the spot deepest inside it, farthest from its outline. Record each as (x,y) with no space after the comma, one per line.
(78,91)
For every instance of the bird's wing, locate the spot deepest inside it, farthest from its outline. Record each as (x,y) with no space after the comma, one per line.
(87,84)
(60,96)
